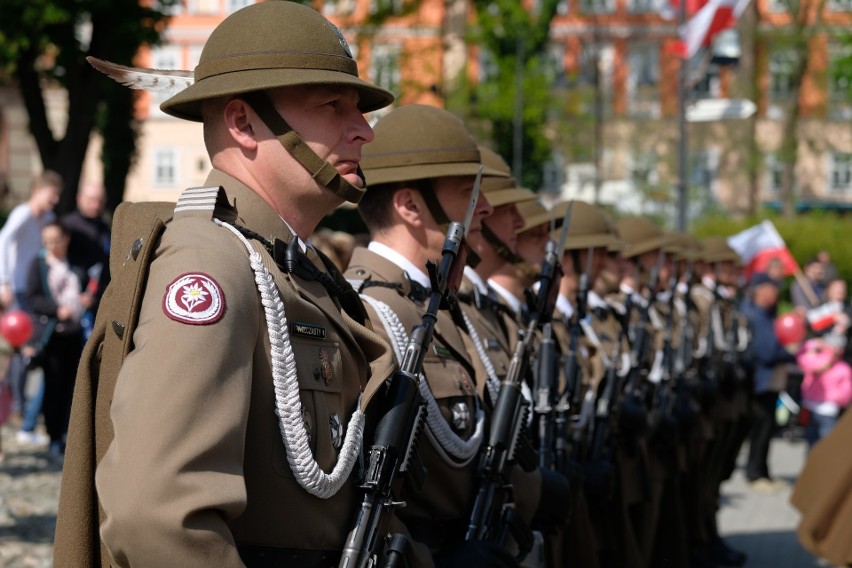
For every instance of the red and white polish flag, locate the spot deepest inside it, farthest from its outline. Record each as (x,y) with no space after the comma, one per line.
(711,18)
(758,245)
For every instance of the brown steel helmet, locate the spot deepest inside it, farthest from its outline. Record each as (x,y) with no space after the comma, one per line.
(640,236)
(716,249)
(588,226)
(685,246)
(277,44)
(417,142)
(501,190)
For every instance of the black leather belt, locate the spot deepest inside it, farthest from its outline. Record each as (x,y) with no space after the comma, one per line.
(275,557)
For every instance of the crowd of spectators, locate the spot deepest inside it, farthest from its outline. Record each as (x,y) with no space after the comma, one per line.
(815,369)
(55,270)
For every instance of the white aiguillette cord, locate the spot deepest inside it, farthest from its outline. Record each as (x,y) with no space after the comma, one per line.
(288,405)
(454,450)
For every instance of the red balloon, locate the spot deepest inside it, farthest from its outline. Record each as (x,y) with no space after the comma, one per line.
(17,327)
(790,328)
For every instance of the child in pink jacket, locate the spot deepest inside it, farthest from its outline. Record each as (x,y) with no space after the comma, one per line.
(827,384)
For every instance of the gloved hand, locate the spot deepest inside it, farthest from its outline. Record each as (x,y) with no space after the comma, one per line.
(474,553)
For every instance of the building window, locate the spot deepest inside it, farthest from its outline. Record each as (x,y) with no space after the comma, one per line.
(164,57)
(393,7)
(170,8)
(339,7)
(839,5)
(643,172)
(709,86)
(643,80)
(781,65)
(563,8)
(165,167)
(840,173)
(556,64)
(595,72)
(839,83)
(774,174)
(232,6)
(780,6)
(644,6)
(203,7)
(702,169)
(384,70)
(596,6)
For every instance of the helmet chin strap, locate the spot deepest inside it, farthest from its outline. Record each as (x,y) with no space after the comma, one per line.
(501,248)
(323,172)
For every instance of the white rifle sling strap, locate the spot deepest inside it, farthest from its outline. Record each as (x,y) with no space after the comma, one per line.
(288,405)
(454,450)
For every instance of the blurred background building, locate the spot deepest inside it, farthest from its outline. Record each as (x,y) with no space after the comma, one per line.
(613,121)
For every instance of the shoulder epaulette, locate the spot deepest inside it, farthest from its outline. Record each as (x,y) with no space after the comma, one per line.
(197,202)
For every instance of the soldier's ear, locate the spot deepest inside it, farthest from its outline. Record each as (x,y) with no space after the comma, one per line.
(241,123)
(409,206)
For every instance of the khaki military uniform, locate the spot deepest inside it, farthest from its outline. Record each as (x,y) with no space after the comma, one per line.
(197,472)
(484,313)
(437,516)
(823,495)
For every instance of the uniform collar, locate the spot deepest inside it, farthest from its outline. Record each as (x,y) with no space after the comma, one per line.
(414,273)
(476,280)
(563,304)
(507,296)
(252,211)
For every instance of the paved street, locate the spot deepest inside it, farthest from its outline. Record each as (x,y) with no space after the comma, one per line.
(760,524)
(763,525)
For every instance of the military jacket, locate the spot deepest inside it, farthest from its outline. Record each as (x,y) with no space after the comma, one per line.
(491,355)
(449,489)
(197,466)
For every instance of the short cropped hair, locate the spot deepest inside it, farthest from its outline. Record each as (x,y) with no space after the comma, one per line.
(375,206)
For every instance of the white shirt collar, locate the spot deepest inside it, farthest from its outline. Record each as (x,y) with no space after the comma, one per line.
(709,282)
(563,304)
(476,280)
(507,296)
(595,301)
(406,265)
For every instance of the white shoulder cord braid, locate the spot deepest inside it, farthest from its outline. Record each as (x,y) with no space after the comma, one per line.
(492,382)
(288,405)
(454,450)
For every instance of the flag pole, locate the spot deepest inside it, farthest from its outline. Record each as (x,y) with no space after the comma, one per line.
(681,111)
(805,284)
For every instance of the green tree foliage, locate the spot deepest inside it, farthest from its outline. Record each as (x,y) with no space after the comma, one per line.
(510,34)
(44,43)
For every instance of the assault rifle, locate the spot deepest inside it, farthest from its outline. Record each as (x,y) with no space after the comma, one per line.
(394,450)
(493,517)
(546,380)
(633,412)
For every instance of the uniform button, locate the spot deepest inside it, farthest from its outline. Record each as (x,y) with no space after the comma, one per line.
(136,248)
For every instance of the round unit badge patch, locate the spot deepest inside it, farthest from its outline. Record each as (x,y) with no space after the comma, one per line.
(195,299)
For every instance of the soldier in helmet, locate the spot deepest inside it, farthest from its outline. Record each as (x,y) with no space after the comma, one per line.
(648,255)
(237,417)
(422,168)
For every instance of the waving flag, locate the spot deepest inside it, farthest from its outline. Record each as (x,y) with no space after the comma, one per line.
(713,17)
(758,245)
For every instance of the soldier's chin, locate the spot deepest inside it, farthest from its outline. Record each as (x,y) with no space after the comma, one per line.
(354,179)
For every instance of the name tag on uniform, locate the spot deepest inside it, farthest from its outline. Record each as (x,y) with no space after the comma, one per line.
(441,351)
(308,330)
